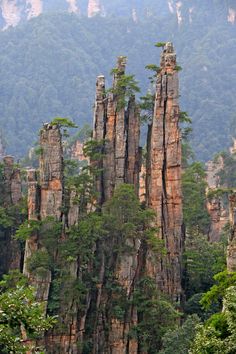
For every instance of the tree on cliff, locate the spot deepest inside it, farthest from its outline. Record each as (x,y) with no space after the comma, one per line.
(22,318)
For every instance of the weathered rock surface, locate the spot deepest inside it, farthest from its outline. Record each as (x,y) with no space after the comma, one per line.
(216,206)
(11,195)
(164,194)
(231,249)
(119,131)
(94,8)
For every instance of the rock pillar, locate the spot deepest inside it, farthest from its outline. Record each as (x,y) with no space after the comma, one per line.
(164,193)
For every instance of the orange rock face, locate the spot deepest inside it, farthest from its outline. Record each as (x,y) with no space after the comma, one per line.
(118,129)
(164,193)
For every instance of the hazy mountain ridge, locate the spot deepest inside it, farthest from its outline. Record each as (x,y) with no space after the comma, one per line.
(13,12)
(48,68)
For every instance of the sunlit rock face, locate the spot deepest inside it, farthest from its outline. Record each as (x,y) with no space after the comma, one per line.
(163,177)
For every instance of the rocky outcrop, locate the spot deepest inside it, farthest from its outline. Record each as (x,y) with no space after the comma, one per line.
(11,13)
(216,207)
(34,8)
(231,249)
(94,8)
(73,6)
(118,129)
(232,15)
(45,198)
(164,194)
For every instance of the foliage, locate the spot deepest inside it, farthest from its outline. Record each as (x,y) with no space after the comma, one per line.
(146,105)
(63,122)
(125,87)
(179,340)
(160,44)
(217,335)
(27,229)
(21,317)
(152,306)
(126,220)
(194,185)
(216,293)
(227,174)
(202,261)
(5,219)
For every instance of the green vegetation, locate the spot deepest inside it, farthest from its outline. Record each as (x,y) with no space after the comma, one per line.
(22,318)
(67,53)
(126,86)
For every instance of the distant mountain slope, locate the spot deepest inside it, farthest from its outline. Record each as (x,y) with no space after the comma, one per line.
(14,11)
(48,68)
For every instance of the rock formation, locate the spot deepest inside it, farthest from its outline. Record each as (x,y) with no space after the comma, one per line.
(45,198)
(231,249)
(11,195)
(164,194)
(116,139)
(94,8)
(35,8)
(119,131)
(216,207)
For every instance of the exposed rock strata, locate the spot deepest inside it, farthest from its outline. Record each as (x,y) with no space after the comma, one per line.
(45,198)
(118,130)
(164,194)
(231,249)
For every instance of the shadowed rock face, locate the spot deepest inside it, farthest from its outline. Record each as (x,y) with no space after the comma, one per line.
(231,249)
(11,195)
(45,198)
(164,193)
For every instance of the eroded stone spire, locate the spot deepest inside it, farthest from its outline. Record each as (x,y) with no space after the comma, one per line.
(120,129)
(164,193)
(51,172)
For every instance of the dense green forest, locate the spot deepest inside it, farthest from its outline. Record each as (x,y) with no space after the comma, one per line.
(49,65)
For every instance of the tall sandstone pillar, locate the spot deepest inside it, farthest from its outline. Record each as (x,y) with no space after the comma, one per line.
(164,194)
(118,129)
(10,196)
(45,199)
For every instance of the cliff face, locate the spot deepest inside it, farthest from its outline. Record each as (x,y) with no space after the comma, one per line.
(95,296)
(45,198)
(118,130)
(231,249)
(216,207)
(11,196)
(164,176)
(94,8)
